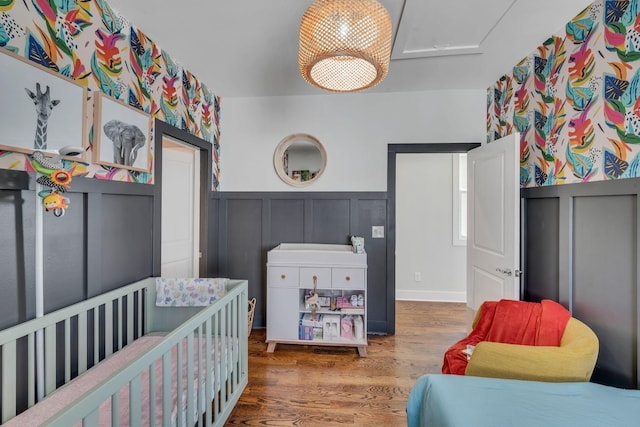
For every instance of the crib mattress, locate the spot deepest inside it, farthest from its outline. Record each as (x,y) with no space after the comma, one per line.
(78,387)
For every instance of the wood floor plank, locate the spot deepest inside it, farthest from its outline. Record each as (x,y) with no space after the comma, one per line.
(301,385)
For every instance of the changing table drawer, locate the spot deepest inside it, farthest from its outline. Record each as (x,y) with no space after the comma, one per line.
(284,277)
(322,275)
(347,278)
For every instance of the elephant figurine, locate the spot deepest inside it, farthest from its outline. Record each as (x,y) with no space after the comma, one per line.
(127,140)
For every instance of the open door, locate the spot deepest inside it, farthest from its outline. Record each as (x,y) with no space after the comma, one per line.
(180,246)
(493,239)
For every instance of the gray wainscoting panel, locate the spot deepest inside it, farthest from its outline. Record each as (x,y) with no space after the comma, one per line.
(542,254)
(65,255)
(127,240)
(243,247)
(604,278)
(17,254)
(286,221)
(594,258)
(253,223)
(374,213)
(213,236)
(331,220)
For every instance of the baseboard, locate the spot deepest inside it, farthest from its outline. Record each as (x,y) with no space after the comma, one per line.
(439,296)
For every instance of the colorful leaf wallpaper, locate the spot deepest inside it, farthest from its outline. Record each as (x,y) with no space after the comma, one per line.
(91,43)
(575,100)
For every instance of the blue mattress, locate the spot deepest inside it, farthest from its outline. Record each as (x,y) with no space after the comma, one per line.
(452,400)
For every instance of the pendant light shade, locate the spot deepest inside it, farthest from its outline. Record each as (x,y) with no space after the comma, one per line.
(345,45)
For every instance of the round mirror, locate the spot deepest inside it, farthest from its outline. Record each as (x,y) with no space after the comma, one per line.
(299,159)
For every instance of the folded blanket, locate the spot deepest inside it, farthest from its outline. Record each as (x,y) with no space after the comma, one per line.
(189,292)
(510,322)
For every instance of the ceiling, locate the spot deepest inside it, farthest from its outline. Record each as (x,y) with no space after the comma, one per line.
(247,48)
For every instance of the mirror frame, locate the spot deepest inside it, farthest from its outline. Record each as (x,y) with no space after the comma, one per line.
(282,148)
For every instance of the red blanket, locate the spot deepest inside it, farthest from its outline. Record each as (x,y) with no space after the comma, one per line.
(510,322)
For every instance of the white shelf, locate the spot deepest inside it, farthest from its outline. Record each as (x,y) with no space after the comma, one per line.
(351,311)
(338,342)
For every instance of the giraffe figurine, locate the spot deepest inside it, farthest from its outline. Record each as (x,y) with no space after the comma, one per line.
(44,106)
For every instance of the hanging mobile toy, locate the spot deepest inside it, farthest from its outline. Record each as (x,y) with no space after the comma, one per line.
(52,175)
(55,202)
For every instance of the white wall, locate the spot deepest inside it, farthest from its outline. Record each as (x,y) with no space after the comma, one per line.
(424,230)
(354,128)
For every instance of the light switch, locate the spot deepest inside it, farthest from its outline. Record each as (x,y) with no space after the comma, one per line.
(377,232)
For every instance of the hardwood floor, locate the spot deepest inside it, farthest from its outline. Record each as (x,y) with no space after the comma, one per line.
(330,386)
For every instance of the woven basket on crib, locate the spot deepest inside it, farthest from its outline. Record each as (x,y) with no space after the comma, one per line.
(252,308)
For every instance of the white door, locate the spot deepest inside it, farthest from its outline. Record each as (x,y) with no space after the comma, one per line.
(180,210)
(493,239)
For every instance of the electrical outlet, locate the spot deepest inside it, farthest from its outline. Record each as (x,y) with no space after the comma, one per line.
(377,232)
(417,276)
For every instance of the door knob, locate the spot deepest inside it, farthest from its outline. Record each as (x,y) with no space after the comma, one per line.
(506,271)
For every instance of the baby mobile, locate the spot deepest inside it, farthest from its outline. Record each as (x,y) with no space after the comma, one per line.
(53,176)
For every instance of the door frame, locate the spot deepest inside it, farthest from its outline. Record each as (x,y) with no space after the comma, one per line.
(162,129)
(392,151)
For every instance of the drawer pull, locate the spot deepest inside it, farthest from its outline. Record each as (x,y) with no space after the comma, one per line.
(284,276)
(347,278)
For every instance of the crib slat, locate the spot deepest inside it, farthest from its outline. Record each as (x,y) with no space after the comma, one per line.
(224,389)
(115,410)
(31,370)
(179,363)
(166,388)
(135,405)
(82,342)
(232,373)
(129,318)
(243,344)
(140,311)
(189,379)
(96,335)
(119,324)
(230,341)
(8,380)
(217,362)
(152,392)
(108,329)
(200,377)
(67,350)
(50,359)
(208,376)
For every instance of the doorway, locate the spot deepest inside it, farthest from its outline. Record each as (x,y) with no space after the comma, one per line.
(392,153)
(180,242)
(430,263)
(168,191)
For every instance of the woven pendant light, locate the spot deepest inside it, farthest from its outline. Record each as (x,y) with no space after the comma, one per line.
(345,45)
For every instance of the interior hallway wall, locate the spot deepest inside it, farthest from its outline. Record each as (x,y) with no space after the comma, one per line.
(424,230)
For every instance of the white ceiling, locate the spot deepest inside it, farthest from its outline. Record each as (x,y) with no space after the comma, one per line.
(246,48)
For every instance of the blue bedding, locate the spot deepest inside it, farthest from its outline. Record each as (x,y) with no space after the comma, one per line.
(453,400)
